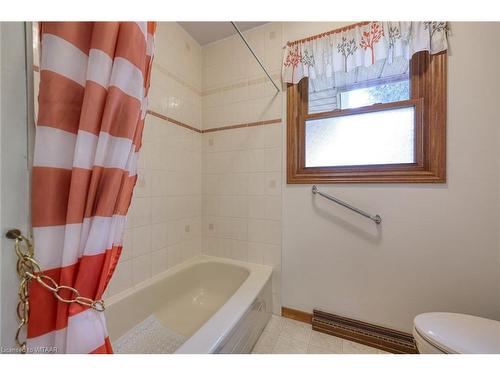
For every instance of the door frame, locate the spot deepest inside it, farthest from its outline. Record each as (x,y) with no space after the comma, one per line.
(16,154)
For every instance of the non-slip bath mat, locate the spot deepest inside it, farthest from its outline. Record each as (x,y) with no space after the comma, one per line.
(149,336)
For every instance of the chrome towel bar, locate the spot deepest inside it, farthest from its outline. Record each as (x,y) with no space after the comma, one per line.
(376,218)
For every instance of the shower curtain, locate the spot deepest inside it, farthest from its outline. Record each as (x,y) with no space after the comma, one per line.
(94,79)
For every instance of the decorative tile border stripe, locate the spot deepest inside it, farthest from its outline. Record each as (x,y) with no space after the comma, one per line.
(186,126)
(169,119)
(202,131)
(246,125)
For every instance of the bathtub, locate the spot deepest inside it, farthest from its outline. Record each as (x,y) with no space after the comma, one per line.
(216,305)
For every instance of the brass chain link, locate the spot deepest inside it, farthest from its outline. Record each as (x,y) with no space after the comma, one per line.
(27,270)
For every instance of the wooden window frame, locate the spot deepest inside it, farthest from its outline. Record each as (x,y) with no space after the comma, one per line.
(428,80)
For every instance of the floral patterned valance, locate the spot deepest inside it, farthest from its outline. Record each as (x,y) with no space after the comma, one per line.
(358,45)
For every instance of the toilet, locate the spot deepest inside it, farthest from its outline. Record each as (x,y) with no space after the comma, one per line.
(451,333)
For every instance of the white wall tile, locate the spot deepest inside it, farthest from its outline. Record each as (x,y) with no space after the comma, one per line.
(141,240)
(127,245)
(122,278)
(255,252)
(264,207)
(218,192)
(160,212)
(272,183)
(159,261)
(143,184)
(265,231)
(174,254)
(159,183)
(167,196)
(159,236)
(141,268)
(139,212)
(242,168)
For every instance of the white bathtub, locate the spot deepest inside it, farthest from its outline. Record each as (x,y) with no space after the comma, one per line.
(217,305)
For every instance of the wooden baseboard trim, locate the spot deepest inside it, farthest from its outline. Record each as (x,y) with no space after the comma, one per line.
(379,337)
(301,316)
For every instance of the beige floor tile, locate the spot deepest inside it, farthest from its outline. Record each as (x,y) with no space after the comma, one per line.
(274,325)
(287,345)
(262,348)
(268,339)
(331,343)
(286,336)
(350,347)
(314,349)
(297,331)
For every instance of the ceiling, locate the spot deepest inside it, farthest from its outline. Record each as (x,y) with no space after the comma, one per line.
(207,32)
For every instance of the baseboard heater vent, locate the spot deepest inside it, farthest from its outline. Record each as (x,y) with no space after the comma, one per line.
(372,335)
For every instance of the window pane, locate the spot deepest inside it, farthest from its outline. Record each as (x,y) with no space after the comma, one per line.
(382,82)
(384,93)
(384,137)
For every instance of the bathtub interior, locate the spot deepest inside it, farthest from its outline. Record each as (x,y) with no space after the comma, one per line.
(209,287)
(181,302)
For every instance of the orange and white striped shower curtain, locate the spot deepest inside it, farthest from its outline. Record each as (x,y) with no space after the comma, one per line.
(94,79)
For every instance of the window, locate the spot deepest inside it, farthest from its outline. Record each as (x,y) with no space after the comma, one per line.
(382,123)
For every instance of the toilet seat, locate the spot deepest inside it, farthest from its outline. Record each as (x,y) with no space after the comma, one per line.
(458,333)
(425,346)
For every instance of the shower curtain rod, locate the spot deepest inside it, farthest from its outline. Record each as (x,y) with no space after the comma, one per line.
(254,55)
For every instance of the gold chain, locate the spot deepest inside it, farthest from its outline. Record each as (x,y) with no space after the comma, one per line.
(27,270)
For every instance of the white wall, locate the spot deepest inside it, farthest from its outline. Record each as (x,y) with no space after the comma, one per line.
(438,246)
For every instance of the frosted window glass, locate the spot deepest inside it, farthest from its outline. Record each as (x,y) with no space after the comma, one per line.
(384,137)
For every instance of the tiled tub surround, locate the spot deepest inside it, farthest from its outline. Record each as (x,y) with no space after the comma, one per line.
(242,197)
(234,88)
(242,167)
(240,200)
(176,79)
(210,171)
(164,220)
